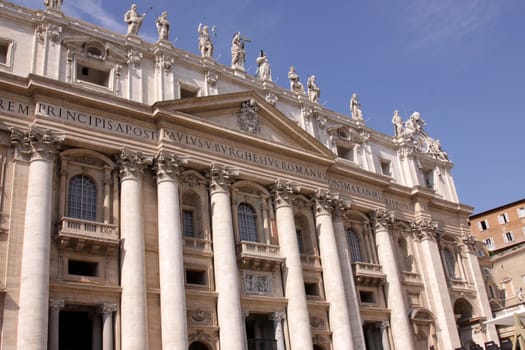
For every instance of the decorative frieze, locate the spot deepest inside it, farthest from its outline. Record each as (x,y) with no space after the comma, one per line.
(132,164)
(35,144)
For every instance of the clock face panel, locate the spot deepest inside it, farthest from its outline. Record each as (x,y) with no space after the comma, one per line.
(421,143)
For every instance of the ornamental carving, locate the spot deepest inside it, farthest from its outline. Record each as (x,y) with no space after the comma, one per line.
(340,207)
(424,229)
(53,32)
(470,243)
(247,117)
(212,78)
(200,317)
(132,163)
(167,166)
(317,323)
(278,316)
(257,283)
(202,336)
(221,177)
(382,217)
(283,192)
(324,202)
(56,304)
(320,340)
(108,308)
(165,63)
(35,144)
(134,58)
(271,98)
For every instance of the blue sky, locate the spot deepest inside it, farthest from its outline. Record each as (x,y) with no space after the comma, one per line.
(460,63)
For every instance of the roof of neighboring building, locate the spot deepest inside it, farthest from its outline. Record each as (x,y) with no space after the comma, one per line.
(512,204)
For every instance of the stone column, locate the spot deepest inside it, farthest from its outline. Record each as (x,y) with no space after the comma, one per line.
(55,305)
(171,263)
(277,318)
(395,295)
(133,275)
(225,261)
(385,339)
(338,315)
(348,278)
(39,148)
(96,338)
(297,308)
(107,325)
(436,284)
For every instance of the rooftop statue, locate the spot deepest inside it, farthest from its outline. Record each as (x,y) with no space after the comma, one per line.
(355,108)
(205,43)
(264,71)
(414,123)
(238,51)
(295,85)
(134,20)
(163,26)
(313,90)
(398,123)
(53,4)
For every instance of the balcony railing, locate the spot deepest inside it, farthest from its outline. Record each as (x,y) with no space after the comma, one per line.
(368,274)
(197,245)
(90,236)
(259,256)
(412,277)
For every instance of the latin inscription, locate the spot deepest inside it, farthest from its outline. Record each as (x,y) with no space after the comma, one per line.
(96,122)
(14,107)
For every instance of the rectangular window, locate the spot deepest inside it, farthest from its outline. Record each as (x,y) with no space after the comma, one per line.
(386,168)
(311,289)
(490,243)
(503,218)
(92,75)
(521,213)
(508,237)
(187,223)
(483,225)
(428,176)
(6,52)
(345,153)
(198,277)
(4,48)
(366,296)
(188,91)
(82,268)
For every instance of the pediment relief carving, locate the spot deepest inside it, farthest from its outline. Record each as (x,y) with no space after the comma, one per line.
(95,49)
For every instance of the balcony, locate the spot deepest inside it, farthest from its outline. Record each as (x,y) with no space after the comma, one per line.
(258,256)
(88,236)
(412,278)
(197,246)
(460,285)
(312,262)
(367,274)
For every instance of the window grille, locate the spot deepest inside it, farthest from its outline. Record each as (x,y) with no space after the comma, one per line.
(247,222)
(187,223)
(355,250)
(82,198)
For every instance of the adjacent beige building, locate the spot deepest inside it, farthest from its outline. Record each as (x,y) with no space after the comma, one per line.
(152,198)
(502,230)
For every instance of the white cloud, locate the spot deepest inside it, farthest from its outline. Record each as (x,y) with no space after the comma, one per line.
(93,10)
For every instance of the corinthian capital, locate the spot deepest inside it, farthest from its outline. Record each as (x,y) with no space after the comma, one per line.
(424,229)
(324,202)
(469,242)
(283,192)
(382,217)
(168,166)
(35,144)
(132,164)
(221,177)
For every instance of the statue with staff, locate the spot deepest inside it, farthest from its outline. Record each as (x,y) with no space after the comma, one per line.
(238,51)
(134,20)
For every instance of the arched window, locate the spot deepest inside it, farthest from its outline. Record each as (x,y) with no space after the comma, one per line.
(450,262)
(82,198)
(355,250)
(247,222)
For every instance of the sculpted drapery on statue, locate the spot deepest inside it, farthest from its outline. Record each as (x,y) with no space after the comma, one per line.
(134,20)
(264,71)
(355,108)
(238,51)
(295,85)
(205,42)
(53,4)
(163,26)
(313,90)
(398,123)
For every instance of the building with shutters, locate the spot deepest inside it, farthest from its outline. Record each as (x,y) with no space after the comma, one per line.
(152,198)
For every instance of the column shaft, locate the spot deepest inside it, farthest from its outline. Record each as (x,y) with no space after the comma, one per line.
(171,266)
(401,330)
(339,316)
(107,326)
(34,284)
(54,323)
(133,279)
(349,286)
(297,308)
(229,314)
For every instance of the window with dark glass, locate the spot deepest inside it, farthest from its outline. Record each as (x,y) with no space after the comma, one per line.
(355,250)
(82,198)
(187,223)
(450,262)
(247,222)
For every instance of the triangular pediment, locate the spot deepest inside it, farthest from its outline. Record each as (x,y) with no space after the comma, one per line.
(246,117)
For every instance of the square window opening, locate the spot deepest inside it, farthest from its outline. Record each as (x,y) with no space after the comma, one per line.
(82,268)
(366,296)
(386,168)
(345,152)
(188,92)
(4,49)
(311,289)
(197,277)
(92,75)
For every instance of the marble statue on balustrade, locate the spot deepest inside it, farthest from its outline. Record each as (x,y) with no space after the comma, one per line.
(53,4)
(238,51)
(264,71)
(163,26)
(355,108)
(134,20)
(398,123)
(295,85)
(414,124)
(205,42)
(313,90)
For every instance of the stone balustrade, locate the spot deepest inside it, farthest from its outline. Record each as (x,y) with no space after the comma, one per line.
(89,236)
